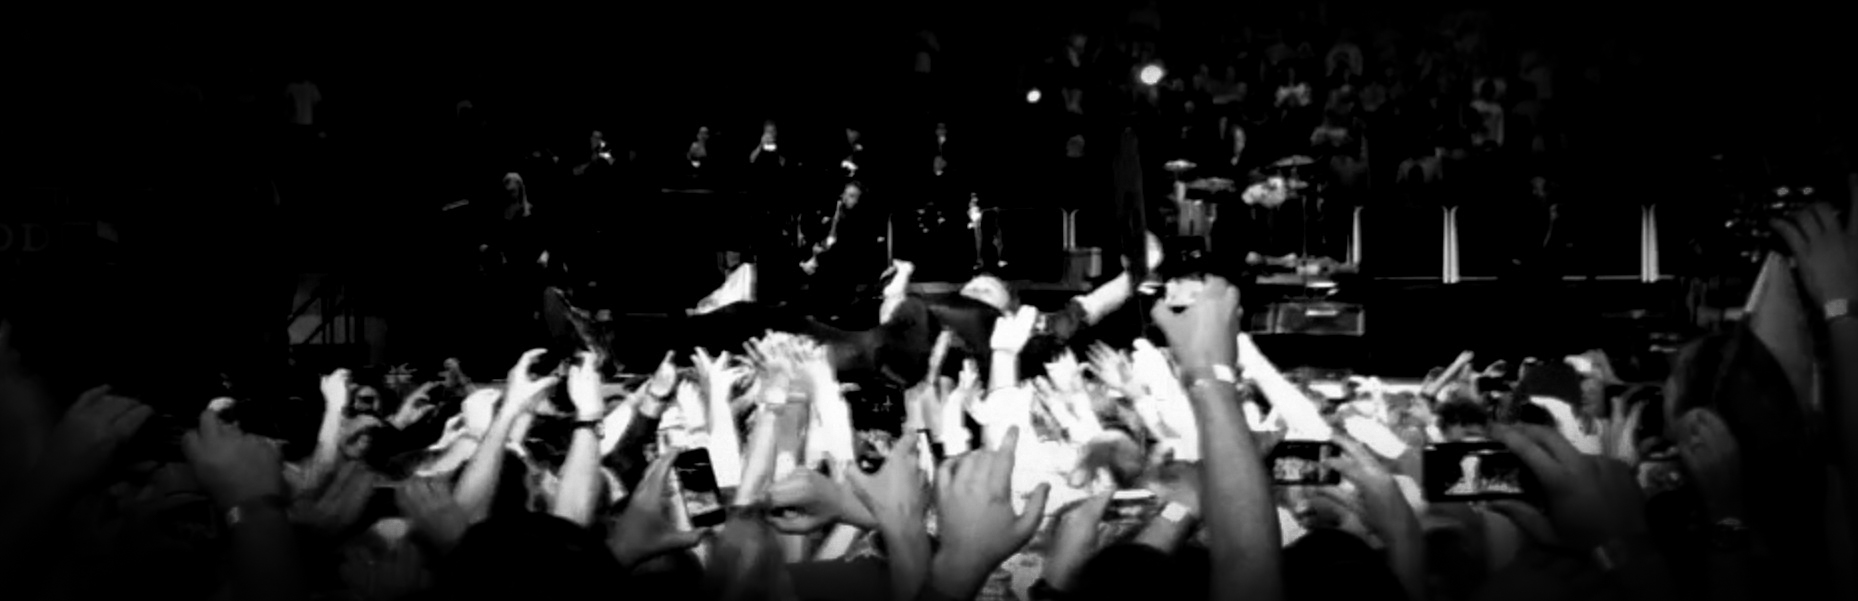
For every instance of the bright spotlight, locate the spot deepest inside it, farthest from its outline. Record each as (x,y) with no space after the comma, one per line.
(1033,96)
(1151,75)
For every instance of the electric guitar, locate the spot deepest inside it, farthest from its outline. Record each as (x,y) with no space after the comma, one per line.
(811,264)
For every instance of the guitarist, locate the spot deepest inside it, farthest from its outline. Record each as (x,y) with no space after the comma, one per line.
(846,253)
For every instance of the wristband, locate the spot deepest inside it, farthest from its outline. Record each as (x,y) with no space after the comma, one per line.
(1216,373)
(1176,512)
(598,425)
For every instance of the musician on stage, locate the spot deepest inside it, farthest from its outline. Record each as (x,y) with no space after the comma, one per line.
(845,251)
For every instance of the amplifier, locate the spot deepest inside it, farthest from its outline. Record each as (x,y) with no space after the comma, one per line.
(1317,318)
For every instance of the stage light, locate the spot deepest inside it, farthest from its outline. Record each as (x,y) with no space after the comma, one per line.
(1033,96)
(1151,74)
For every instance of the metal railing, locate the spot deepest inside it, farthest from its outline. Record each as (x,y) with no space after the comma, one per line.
(339,317)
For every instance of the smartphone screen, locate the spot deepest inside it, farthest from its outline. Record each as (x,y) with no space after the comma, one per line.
(1129,507)
(696,480)
(1300,463)
(1476,471)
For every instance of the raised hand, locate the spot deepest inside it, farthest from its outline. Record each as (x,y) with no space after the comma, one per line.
(335,387)
(1067,376)
(1012,331)
(232,466)
(1382,504)
(664,380)
(523,390)
(415,406)
(85,440)
(1113,368)
(645,529)
(584,388)
(718,374)
(977,526)
(1203,334)
(1075,541)
(435,515)
(807,501)
(1713,460)
(1592,500)
(1825,251)
(895,494)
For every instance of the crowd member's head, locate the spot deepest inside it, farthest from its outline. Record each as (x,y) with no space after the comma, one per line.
(528,555)
(1133,571)
(1332,564)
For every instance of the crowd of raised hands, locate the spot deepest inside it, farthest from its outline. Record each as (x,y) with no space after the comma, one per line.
(1114,473)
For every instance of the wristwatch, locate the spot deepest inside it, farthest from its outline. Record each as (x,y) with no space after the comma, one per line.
(1223,374)
(597,425)
(1838,308)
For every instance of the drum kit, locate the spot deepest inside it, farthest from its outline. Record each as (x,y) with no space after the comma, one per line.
(1282,181)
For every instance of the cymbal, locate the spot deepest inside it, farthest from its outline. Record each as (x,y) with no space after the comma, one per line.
(1212,184)
(1294,161)
(1180,165)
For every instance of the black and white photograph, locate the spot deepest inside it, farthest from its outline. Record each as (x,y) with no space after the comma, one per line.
(1426,300)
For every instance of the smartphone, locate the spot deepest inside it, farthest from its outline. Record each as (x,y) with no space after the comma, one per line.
(1301,463)
(1476,471)
(696,481)
(1129,506)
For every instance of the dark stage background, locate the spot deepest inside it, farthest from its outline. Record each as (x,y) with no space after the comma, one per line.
(162,123)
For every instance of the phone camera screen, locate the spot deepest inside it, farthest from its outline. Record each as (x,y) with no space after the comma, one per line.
(1129,506)
(1472,471)
(702,501)
(1301,463)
